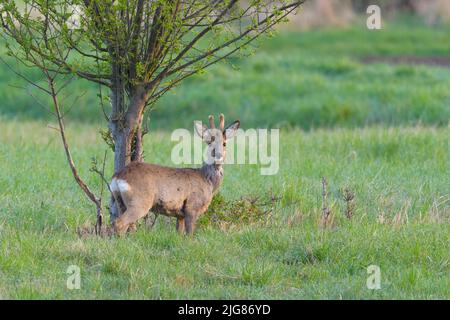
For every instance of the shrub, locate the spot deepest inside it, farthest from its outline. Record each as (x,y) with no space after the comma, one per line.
(246,210)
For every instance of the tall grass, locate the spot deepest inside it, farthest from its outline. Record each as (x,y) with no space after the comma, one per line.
(400,222)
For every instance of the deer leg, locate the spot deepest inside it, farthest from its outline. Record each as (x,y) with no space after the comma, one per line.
(190,220)
(129,217)
(180,225)
(132,227)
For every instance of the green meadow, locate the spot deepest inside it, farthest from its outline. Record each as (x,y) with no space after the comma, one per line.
(378,130)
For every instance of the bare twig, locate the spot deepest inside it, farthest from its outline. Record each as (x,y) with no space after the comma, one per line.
(101,174)
(24,78)
(348,197)
(87,191)
(325,209)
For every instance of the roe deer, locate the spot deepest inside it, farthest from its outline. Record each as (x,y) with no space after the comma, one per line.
(184,193)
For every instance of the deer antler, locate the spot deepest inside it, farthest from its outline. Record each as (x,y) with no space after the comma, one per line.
(211,122)
(221,122)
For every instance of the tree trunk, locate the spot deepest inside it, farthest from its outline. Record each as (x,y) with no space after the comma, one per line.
(126,129)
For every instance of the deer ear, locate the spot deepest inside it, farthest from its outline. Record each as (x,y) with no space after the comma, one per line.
(200,129)
(231,130)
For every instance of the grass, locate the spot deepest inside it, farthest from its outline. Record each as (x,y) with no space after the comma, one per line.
(380,131)
(398,174)
(305,80)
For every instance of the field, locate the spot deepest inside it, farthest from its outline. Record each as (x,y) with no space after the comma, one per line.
(380,130)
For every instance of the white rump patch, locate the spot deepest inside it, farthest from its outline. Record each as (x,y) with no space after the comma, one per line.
(119,185)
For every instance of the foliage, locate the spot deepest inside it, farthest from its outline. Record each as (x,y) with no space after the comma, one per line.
(244,211)
(148,44)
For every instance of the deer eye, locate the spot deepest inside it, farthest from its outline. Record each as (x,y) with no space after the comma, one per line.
(224,144)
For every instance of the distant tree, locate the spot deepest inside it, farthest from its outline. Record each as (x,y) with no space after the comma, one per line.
(137,49)
(388,5)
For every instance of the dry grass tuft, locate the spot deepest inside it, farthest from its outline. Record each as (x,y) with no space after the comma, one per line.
(326,211)
(86,231)
(348,196)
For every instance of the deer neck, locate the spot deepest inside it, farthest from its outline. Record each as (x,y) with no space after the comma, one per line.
(213,173)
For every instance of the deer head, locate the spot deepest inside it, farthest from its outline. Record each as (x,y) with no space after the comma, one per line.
(216,138)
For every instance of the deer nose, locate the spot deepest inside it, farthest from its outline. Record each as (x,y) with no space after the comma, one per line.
(218,158)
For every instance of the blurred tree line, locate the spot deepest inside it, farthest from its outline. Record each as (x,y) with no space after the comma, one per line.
(319,13)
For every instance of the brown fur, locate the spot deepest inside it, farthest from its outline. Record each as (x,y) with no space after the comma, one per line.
(184,193)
